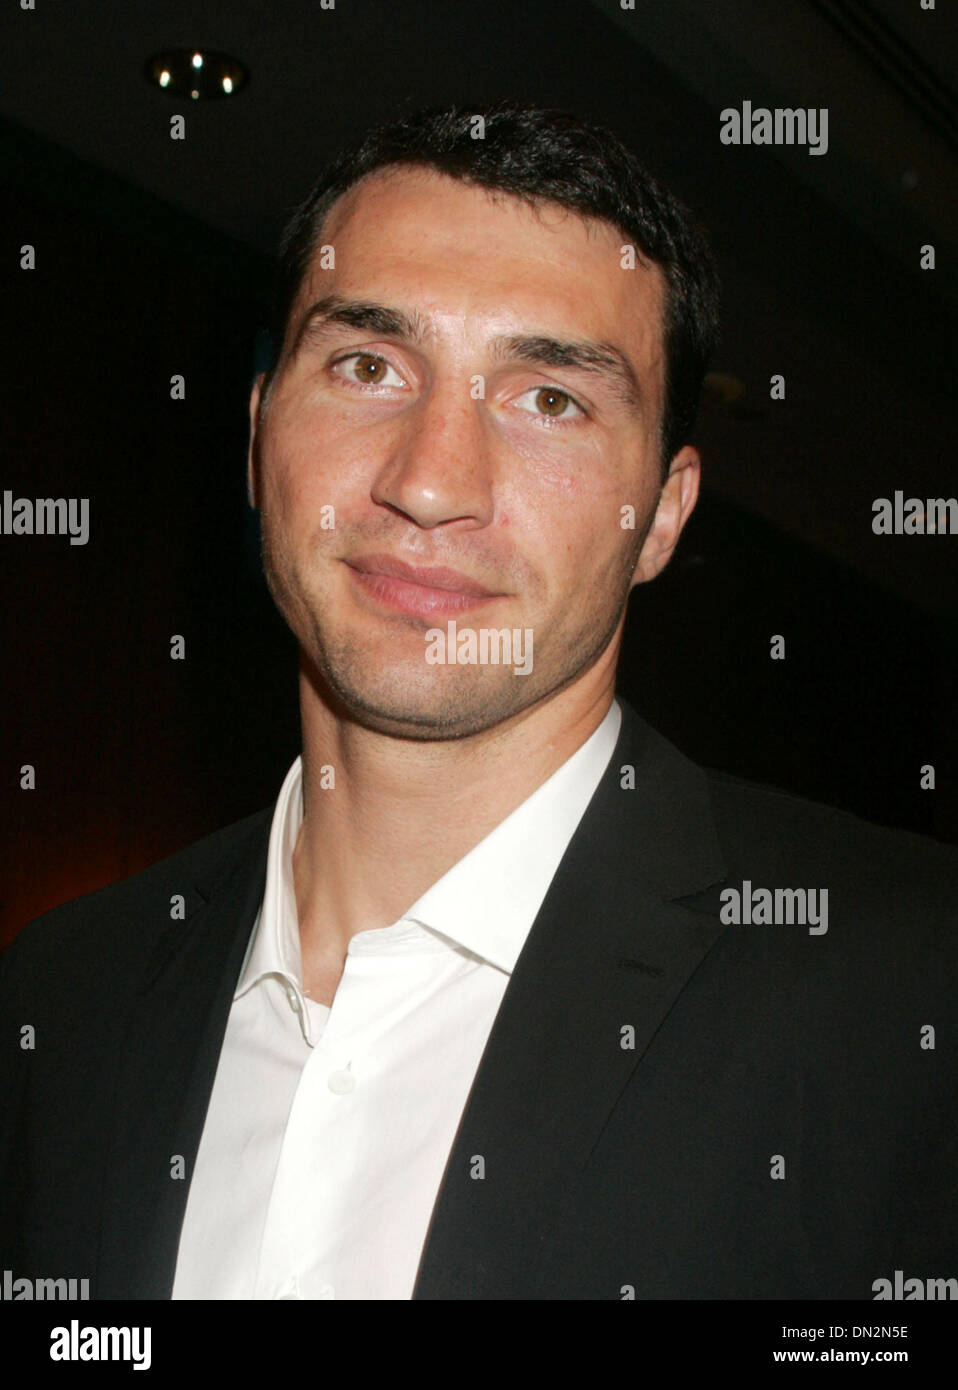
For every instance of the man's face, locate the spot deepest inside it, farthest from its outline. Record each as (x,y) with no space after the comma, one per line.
(480,390)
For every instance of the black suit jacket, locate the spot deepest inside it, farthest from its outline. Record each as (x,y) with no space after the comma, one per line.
(609,1168)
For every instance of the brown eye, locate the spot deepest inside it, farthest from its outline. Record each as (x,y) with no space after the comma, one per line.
(552,402)
(369,369)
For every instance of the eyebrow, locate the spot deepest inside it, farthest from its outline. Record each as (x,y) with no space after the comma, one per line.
(603,359)
(362,314)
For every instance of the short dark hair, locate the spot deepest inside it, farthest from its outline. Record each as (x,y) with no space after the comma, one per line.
(539,154)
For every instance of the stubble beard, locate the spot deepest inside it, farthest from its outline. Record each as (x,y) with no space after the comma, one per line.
(409,698)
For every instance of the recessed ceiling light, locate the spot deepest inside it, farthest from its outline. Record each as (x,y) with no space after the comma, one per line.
(197,73)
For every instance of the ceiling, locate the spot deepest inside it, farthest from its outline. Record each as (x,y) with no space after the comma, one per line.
(886,70)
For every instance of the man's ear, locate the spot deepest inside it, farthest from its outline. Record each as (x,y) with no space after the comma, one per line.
(677,500)
(255,397)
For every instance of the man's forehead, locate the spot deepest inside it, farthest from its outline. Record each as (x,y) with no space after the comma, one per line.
(430,207)
(422,235)
(416,185)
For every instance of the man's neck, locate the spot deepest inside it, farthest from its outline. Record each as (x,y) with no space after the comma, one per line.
(403,812)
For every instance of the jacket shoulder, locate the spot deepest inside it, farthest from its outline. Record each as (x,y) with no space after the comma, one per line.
(893,893)
(796,825)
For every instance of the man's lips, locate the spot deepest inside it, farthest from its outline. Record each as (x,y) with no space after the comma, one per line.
(437,578)
(411,589)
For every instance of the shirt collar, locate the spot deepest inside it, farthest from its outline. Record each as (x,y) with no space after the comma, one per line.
(274,943)
(486,903)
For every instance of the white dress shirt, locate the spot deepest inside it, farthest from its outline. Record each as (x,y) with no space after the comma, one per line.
(328,1129)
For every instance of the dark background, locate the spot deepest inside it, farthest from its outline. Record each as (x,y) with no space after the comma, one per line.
(154,257)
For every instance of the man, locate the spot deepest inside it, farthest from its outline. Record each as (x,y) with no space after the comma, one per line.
(504,998)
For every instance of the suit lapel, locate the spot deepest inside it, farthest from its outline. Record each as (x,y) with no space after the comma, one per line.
(178,1021)
(610,948)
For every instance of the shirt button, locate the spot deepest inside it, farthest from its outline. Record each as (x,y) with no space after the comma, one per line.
(341,1082)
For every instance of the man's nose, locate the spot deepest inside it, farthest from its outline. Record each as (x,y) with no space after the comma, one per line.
(438,467)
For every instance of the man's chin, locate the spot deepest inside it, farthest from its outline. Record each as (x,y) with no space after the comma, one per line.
(433,710)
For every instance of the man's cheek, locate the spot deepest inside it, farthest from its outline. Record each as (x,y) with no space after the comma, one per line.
(311,499)
(548,464)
